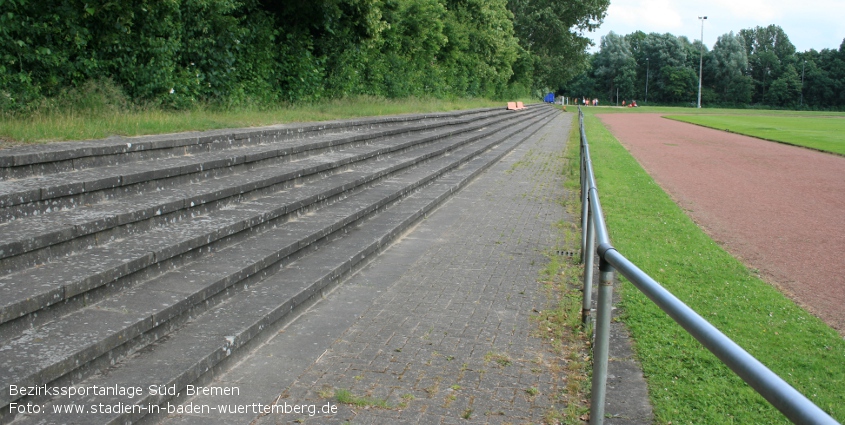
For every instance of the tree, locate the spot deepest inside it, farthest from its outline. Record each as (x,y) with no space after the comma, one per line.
(406,60)
(635,42)
(728,77)
(664,51)
(615,66)
(786,90)
(769,51)
(551,31)
(739,91)
(679,83)
(694,51)
(584,84)
(729,63)
(824,78)
(481,48)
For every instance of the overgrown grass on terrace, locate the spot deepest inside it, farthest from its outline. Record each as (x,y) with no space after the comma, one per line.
(824,134)
(687,384)
(70,124)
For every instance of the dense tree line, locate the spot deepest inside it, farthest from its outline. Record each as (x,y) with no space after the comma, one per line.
(757,67)
(179,52)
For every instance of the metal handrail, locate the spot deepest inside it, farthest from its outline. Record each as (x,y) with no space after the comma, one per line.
(775,390)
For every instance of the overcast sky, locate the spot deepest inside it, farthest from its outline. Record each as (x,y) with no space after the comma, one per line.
(810,24)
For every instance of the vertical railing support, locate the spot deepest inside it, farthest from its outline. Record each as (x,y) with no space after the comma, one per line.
(589,258)
(601,345)
(588,230)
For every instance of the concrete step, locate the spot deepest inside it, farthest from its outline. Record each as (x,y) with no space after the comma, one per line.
(23,244)
(36,195)
(48,159)
(97,332)
(217,336)
(70,277)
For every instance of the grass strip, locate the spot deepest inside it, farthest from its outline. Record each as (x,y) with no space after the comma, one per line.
(687,384)
(675,110)
(85,124)
(346,397)
(824,134)
(558,322)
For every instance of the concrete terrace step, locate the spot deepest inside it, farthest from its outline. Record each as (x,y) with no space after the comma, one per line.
(30,234)
(54,158)
(40,194)
(98,332)
(36,288)
(212,338)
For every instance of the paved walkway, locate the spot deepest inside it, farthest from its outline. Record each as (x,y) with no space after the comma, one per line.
(439,325)
(451,337)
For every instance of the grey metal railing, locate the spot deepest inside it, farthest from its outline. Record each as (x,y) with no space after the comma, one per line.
(775,390)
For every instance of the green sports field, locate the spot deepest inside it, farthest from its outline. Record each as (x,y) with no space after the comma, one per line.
(823,133)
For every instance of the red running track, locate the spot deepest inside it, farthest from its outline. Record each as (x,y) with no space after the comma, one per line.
(778,208)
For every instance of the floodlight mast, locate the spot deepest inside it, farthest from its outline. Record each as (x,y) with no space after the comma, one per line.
(646,80)
(802,82)
(701,59)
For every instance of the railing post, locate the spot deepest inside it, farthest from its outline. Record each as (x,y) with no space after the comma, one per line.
(602,341)
(589,256)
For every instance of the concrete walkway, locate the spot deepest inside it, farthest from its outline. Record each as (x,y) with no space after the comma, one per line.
(438,326)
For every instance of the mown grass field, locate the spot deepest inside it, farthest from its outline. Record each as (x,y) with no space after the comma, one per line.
(687,384)
(824,134)
(84,124)
(673,110)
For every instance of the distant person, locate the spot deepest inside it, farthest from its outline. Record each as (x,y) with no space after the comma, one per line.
(623,103)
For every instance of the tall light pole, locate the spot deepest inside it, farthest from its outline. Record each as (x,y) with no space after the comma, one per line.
(802,82)
(701,59)
(646,80)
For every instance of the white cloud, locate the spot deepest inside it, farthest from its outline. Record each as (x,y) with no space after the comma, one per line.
(755,10)
(658,14)
(817,24)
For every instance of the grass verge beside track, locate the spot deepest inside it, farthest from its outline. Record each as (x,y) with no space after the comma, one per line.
(687,384)
(674,110)
(824,134)
(104,122)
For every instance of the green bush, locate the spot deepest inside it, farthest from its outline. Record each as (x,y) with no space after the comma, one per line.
(178,54)
(92,98)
